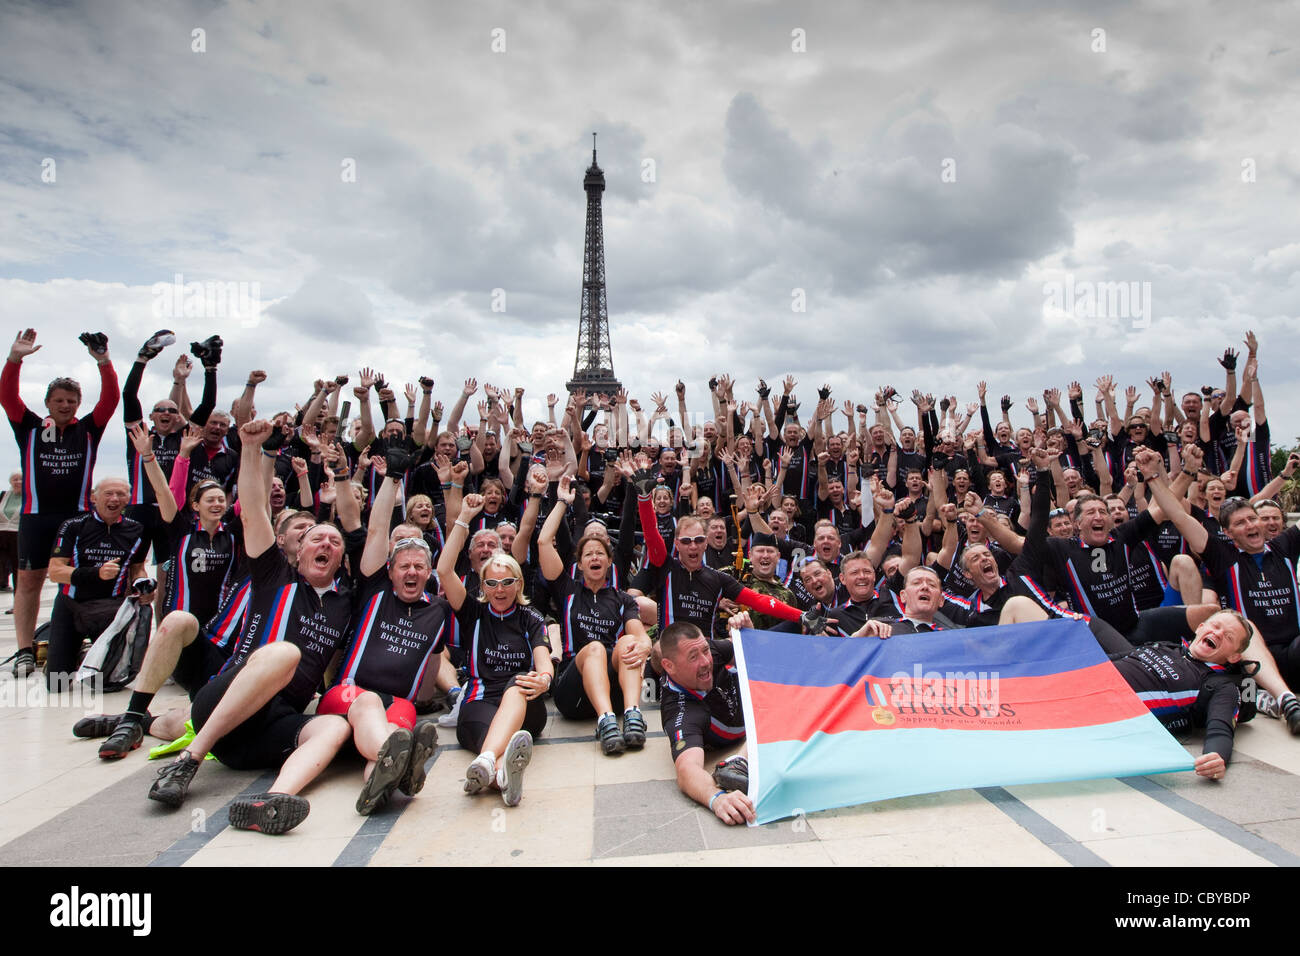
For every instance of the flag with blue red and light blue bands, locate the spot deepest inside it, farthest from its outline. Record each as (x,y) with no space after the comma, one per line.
(834,722)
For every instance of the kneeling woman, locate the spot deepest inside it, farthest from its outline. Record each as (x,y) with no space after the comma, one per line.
(605,643)
(509,665)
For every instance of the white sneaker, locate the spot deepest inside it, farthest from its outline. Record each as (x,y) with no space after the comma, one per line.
(479,774)
(452,717)
(510,778)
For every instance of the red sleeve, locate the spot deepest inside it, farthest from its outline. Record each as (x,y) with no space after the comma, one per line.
(108,395)
(9,397)
(654,541)
(179,481)
(768,605)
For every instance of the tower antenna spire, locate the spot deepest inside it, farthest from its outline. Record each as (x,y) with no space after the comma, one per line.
(593,367)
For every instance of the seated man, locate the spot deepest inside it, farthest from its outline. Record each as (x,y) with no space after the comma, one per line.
(95,558)
(701,708)
(176,650)
(400,632)
(251,715)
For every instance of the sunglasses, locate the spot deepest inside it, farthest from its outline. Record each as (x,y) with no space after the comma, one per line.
(411,543)
(696,539)
(1138,425)
(1056,512)
(165,411)
(501,583)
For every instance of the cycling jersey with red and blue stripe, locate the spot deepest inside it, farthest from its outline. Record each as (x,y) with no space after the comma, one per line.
(395,641)
(283,606)
(713,719)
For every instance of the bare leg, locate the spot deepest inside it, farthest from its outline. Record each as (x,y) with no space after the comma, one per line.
(1020,610)
(1186,578)
(177,632)
(593,662)
(27,604)
(370,727)
(629,678)
(318,742)
(170,725)
(509,718)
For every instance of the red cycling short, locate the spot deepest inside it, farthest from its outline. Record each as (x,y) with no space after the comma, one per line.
(338,700)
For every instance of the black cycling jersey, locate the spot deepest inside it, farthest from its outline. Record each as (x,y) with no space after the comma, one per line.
(395,641)
(203,566)
(87,542)
(1183,692)
(282,606)
(585,616)
(498,646)
(1261,586)
(715,719)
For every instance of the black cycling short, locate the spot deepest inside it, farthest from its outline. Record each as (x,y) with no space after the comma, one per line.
(199,663)
(155,530)
(36,535)
(570,693)
(71,623)
(1161,624)
(264,741)
(476,718)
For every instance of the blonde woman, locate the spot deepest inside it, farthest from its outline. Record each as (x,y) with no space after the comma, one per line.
(509,660)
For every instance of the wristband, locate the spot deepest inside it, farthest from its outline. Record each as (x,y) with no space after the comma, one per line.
(887,511)
(446,485)
(456,484)
(149,458)
(85,577)
(714,797)
(246,384)
(270,454)
(462,524)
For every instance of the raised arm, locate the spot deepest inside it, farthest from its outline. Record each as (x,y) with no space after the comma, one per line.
(1153,467)
(548,557)
(254,488)
(143,443)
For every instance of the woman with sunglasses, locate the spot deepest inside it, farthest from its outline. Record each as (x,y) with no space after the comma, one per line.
(509,658)
(605,645)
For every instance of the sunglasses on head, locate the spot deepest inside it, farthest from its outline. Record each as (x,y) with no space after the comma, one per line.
(1056,512)
(411,543)
(500,583)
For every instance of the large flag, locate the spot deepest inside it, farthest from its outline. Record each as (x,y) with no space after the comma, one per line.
(834,722)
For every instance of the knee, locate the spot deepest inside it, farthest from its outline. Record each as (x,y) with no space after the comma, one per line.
(180,625)
(280,656)
(337,730)
(648,611)
(1182,564)
(592,652)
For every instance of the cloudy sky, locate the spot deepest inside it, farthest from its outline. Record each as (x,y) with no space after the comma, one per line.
(917,174)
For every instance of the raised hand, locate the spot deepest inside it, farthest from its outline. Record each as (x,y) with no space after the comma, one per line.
(409,392)
(471,506)
(1229,360)
(181,370)
(470,387)
(141,439)
(24,345)
(190,440)
(366,378)
(1006,403)
(1131,394)
(1252,343)
(788,384)
(564,490)
(1076,391)
(983,391)
(255,431)
(1031,403)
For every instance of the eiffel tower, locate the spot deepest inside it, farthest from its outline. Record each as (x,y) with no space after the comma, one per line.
(593,367)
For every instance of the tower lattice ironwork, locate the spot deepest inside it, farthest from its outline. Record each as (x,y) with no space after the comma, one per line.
(593,367)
